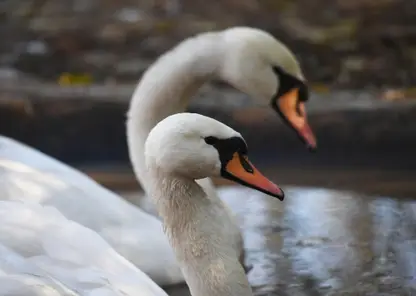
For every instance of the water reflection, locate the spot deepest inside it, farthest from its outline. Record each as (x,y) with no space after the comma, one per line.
(259,217)
(395,229)
(321,242)
(330,235)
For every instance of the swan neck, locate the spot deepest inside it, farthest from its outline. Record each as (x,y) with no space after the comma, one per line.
(194,225)
(166,88)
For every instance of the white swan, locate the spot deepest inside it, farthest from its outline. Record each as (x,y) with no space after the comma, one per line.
(18,277)
(251,60)
(43,253)
(29,175)
(180,149)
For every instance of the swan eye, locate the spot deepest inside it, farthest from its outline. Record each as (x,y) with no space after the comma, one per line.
(211,140)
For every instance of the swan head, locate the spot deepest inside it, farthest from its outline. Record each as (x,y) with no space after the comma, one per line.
(259,65)
(194,146)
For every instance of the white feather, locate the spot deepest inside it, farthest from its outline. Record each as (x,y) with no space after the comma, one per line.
(48,245)
(29,175)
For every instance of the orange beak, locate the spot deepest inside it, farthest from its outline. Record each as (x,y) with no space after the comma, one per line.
(240,170)
(293,111)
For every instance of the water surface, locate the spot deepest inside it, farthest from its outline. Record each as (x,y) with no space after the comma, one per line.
(325,242)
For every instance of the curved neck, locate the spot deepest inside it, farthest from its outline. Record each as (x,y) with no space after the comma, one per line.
(194,225)
(166,89)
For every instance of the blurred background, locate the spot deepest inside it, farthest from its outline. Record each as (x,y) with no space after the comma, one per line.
(68,69)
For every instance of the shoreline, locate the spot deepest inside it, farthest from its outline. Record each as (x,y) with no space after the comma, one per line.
(391,183)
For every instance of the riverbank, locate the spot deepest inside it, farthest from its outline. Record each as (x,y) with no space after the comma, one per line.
(354,129)
(372,182)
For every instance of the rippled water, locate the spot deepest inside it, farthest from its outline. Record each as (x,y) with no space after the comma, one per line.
(326,242)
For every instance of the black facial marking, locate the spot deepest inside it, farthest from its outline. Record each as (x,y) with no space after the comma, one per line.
(287,83)
(211,140)
(226,149)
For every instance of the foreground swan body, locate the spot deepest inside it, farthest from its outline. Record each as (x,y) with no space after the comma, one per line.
(29,175)
(251,60)
(180,149)
(70,259)
(19,277)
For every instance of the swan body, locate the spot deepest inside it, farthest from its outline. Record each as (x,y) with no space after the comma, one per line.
(56,256)
(180,149)
(249,59)
(19,277)
(29,175)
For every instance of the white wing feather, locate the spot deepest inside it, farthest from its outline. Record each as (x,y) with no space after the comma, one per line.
(47,245)
(27,174)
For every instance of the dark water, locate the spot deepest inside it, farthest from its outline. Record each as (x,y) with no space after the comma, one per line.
(325,242)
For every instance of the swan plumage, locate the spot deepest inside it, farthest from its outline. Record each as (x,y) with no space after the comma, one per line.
(179,150)
(249,59)
(38,240)
(29,175)
(244,57)
(57,256)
